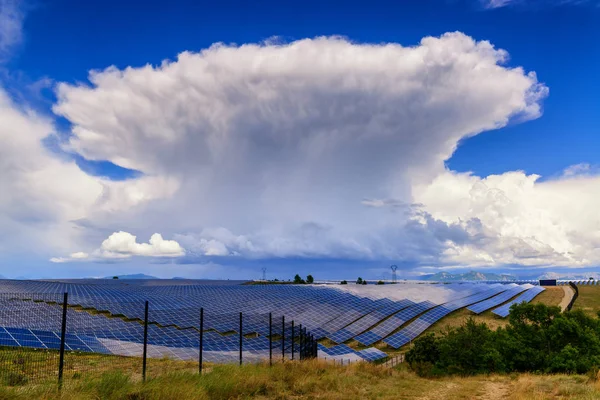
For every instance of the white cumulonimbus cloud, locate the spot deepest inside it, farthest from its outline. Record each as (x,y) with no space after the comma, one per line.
(319,148)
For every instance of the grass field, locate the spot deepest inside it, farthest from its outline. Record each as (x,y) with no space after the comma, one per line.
(311,380)
(588,300)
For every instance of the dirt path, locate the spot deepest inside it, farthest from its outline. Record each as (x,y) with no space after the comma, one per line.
(569,293)
(494,391)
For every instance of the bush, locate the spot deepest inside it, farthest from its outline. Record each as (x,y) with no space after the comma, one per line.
(380,282)
(344,282)
(298,280)
(538,339)
(310,279)
(424,354)
(364,282)
(359,281)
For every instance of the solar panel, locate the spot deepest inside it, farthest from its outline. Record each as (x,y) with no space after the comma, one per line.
(485,305)
(526,297)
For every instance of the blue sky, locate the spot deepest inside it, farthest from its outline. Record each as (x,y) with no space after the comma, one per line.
(62,41)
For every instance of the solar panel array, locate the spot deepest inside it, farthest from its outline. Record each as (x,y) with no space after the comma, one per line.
(526,297)
(418,326)
(105,317)
(485,305)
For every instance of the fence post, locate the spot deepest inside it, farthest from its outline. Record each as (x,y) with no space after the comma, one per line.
(304,340)
(241,338)
(270,339)
(201,340)
(283,338)
(302,355)
(63,332)
(145,354)
(293,339)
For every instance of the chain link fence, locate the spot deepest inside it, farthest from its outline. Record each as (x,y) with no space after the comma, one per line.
(44,337)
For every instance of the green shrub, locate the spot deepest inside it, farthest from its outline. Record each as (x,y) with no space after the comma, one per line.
(537,339)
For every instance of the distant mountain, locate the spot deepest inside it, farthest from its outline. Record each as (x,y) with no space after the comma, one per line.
(469,276)
(133,276)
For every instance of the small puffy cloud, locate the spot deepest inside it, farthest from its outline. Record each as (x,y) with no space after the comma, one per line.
(123,245)
(79,256)
(579,169)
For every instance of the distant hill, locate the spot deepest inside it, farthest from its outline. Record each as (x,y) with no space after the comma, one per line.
(133,276)
(469,276)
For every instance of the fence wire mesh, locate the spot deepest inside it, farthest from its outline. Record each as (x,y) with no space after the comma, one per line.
(109,335)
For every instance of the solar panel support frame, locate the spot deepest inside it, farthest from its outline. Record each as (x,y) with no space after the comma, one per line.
(301,340)
(293,338)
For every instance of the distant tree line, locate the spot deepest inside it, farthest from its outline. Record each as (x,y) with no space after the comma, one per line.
(299,281)
(538,338)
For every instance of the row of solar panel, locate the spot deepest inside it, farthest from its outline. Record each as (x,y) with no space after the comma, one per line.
(358,316)
(340,351)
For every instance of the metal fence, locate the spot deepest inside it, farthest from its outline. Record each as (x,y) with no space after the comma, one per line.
(43,336)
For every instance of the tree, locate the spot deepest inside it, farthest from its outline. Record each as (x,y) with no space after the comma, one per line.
(359,281)
(115,277)
(424,354)
(380,282)
(470,349)
(344,282)
(310,279)
(298,280)
(364,282)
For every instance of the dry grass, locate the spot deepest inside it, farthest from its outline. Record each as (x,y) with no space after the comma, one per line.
(552,296)
(588,300)
(459,317)
(309,380)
